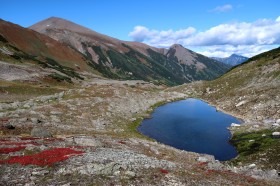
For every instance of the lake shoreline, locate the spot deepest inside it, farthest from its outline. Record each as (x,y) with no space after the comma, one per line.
(213,127)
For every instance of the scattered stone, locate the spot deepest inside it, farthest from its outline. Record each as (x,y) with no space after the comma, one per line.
(264,135)
(251,141)
(40,132)
(241,103)
(276,134)
(278,121)
(251,166)
(275,125)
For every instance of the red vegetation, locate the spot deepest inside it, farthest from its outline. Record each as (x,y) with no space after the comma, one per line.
(4,120)
(122,142)
(8,150)
(202,163)
(44,158)
(164,171)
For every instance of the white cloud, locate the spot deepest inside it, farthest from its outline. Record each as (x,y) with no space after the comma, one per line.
(224,8)
(227,50)
(234,37)
(157,38)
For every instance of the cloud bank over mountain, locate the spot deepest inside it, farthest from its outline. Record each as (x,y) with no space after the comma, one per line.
(239,37)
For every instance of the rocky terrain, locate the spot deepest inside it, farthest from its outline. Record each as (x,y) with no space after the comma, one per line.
(90,139)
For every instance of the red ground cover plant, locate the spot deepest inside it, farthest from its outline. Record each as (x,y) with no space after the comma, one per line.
(164,171)
(44,158)
(122,142)
(8,150)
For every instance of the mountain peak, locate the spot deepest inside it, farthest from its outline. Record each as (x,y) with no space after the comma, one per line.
(58,23)
(176,46)
(233,59)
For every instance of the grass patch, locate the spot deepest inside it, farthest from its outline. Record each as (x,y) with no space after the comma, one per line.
(60,78)
(255,147)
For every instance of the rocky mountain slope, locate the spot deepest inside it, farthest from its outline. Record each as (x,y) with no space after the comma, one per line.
(131,60)
(26,47)
(232,60)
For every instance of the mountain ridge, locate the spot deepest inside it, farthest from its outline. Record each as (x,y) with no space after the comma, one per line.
(233,59)
(101,50)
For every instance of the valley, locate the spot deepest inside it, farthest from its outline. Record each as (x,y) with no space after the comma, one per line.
(84,100)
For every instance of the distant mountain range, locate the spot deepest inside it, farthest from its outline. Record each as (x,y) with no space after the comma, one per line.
(232,60)
(72,50)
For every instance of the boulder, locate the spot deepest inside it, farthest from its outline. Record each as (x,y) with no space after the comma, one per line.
(241,103)
(40,132)
(202,159)
(276,134)
(251,166)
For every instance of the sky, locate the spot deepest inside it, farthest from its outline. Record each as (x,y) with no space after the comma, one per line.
(210,27)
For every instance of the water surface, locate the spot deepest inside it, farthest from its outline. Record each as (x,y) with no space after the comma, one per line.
(192,125)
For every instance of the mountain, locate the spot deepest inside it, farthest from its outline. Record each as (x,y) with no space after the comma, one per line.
(232,60)
(195,66)
(132,60)
(25,46)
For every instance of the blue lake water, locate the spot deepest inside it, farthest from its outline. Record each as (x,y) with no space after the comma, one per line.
(192,125)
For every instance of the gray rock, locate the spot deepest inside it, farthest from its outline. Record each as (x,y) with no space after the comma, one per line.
(202,159)
(241,103)
(100,169)
(87,141)
(251,166)
(40,132)
(276,134)
(130,174)
(15,105)
(35,120)
(215,165)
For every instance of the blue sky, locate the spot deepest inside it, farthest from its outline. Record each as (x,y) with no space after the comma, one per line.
(211,27)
